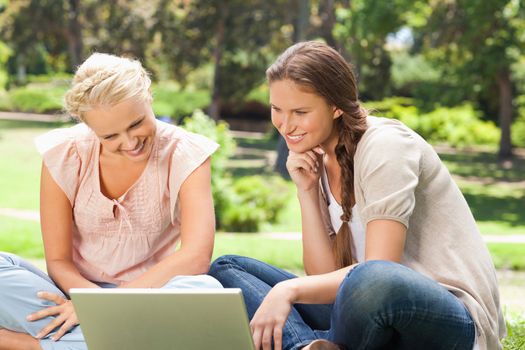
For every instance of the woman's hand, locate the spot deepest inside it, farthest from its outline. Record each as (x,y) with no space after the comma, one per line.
(269,319)
(304,168)
(64,311)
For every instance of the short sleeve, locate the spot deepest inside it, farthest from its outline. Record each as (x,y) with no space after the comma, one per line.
(387,166)
(60,155)
(190,152)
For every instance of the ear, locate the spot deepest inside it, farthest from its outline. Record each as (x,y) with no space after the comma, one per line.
(337,113)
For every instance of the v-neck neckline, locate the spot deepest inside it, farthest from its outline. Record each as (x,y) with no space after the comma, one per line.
(97,177)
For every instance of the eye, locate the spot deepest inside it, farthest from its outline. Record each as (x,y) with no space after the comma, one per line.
(300,112)
(109,137)
(136,124)
(275,109)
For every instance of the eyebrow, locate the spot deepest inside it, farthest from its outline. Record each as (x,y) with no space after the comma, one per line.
(135,122)
(294,109)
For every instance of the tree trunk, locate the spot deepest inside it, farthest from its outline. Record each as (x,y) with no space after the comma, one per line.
(74,34)
(299,34)
(327,13)
(215,106)
(301,21)
(505,114)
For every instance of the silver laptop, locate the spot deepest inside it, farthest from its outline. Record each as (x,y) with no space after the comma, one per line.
(162,319)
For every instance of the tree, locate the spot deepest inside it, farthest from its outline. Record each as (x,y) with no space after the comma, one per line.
(476,43)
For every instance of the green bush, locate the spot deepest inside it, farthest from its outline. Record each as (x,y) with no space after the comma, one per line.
(518,129)
(255,200)
(456,126)
(169,100)
(35,100)
(221,180)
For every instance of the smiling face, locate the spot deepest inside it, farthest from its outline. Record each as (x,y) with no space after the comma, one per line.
(303,117)
(126,129)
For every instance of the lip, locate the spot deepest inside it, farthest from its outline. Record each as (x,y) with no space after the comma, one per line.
(293,139)
(137,151)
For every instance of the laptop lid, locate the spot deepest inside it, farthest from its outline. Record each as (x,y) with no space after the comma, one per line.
(162,319)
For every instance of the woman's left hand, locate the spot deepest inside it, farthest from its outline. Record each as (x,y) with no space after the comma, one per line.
(268,322)
(64,312)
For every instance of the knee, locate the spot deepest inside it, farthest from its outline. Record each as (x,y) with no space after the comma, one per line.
(375,284)
(222,263)
(8,259)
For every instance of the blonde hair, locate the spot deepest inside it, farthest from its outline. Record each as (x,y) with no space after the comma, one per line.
(105,80)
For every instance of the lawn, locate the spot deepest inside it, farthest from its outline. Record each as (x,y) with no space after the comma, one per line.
(496,196)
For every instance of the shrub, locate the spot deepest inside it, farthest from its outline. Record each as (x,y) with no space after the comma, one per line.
(221,179)
(456,126)
(35,100)
(255,200)
(169,100)
(518,129)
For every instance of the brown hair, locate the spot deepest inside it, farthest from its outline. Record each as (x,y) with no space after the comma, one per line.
(323,70)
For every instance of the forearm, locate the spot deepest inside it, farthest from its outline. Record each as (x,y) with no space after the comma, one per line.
(65,274)
(181,262)
(317,250)
(316,289)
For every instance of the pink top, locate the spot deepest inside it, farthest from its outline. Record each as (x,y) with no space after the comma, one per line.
(115,240)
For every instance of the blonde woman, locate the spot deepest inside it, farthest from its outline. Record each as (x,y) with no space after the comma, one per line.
(119,191)
(407,268)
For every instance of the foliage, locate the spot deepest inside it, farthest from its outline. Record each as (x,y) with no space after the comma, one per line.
(256,200)
(456,126)
(515,339)
(221,179)
(518,129)
(169,100)
(33,100)
(5,52)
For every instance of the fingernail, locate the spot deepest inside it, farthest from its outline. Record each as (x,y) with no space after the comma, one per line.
(39,335)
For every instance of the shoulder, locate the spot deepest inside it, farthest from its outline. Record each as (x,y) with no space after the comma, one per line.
(387,137)
(78,136)
(175,141)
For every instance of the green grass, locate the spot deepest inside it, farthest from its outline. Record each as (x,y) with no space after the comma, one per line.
(21,237)
(515,339)
(20,164)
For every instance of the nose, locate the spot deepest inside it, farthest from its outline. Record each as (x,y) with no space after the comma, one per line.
(129,141)
(287,124)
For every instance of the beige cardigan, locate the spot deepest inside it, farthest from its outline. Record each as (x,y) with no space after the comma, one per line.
(399,176)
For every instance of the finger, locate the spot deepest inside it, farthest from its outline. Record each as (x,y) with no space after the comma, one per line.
(65,327)
(319,150)
(49,311)
(304,163)
(278,338)
(256,334)
(267,338)
(313,157)
(57,299)
(51,325)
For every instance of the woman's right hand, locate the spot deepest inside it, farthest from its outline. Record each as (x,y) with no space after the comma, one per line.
(304,168)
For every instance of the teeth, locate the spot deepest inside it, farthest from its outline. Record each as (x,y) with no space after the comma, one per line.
(295,137)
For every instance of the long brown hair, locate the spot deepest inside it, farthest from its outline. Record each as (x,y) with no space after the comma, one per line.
(324,71)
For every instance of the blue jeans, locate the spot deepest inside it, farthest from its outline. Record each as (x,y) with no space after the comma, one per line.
(379,305)
(19,283)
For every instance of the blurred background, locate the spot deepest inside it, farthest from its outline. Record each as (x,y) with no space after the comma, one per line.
(452,70)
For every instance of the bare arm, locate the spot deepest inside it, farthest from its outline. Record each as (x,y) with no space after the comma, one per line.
(56,222)
(385,240)
(197,233)
(317,247)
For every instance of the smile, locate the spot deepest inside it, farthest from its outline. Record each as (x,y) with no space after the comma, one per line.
(295,138)
(135,152)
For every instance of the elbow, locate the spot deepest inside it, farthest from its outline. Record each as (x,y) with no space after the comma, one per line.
(199,264)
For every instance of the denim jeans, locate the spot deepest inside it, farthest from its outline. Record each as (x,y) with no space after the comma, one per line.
(19,283)
(379,305)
